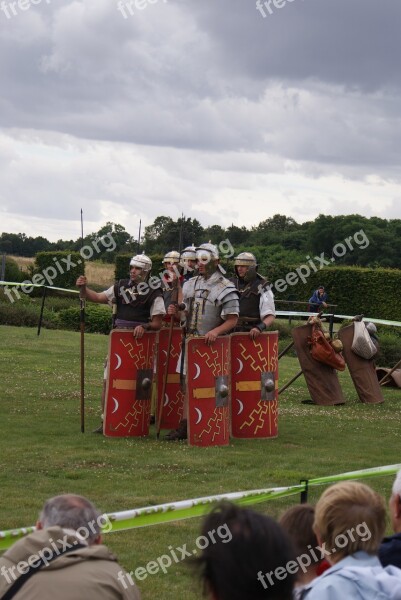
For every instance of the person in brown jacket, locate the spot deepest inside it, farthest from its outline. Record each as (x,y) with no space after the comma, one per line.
(64,558)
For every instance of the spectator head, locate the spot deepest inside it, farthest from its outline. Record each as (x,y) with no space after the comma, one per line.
(69,511)
(350,516)
(297,521)
(395,504)
(234,569)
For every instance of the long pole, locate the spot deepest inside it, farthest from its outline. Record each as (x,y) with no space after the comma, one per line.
(174,300)
(139,236)
(387,377)
(184,334)
(165,374)
(3,267)
(42,309)
(180,244)
(82,329)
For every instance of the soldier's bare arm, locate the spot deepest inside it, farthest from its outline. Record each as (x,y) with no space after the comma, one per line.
(225,327)
(99,297)
(256,331)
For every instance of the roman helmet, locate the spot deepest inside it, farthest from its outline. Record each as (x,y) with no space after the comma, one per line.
(246,259)
(208,255)
(188,261)
(143,262)
(189,253)
(207,252)
(172,257)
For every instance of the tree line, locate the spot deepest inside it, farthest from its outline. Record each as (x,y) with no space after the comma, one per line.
(282,239)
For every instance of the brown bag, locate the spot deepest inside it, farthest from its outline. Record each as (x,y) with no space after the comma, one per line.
(322,350)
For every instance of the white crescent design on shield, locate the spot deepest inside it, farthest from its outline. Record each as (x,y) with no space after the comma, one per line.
(241,406)
(199,416)
(115,406)
(165,400)
(197,370)
(118,360)
(241,366)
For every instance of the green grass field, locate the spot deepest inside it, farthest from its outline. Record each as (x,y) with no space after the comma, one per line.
(43,452)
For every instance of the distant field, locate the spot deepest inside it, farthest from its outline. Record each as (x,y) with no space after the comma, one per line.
(22,261)
(99,273)
(43,452)
(96,272)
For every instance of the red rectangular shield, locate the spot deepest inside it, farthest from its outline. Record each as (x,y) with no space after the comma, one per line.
(173,406)
(207,372)
(254,385)
(129,383)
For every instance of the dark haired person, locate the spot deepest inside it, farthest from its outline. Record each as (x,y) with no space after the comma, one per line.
(318,300)
(297,521)
(390,548)
(252,564)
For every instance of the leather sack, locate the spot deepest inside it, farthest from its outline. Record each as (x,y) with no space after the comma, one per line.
(321,350)
(362,344)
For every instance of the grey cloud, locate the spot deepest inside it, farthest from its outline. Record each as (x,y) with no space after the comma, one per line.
(205,93)
(302,83)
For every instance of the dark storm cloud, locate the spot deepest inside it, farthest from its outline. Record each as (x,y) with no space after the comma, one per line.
(352,43)
(207,75)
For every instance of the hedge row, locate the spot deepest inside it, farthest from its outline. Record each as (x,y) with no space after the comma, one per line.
(22,314)
(355,290)
(60,269)
(13,272)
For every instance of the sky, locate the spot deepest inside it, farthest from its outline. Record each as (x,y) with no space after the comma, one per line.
(226,111)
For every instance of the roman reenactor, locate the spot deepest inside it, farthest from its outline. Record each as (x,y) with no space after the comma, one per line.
(188,262)
(210,304)
(136,304)
(171,281)
(256,301)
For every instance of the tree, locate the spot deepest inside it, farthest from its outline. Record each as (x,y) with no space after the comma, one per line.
(238,235)
(281,223)
(165,234)
(214,233)
(102,242)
